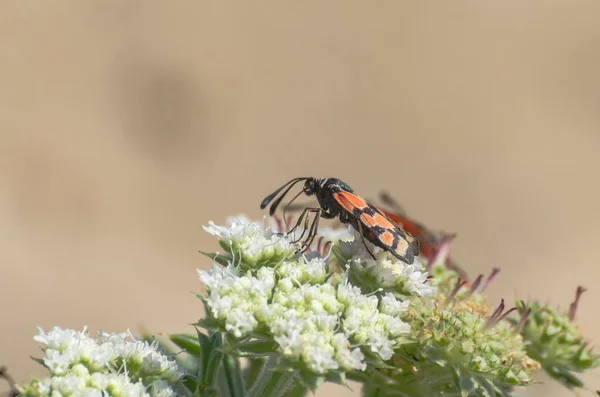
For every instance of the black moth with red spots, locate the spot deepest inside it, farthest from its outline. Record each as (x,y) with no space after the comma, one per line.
(337,200)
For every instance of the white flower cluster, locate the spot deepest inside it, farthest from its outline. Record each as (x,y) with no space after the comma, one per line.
(385,272)
(250,242)
(108,365)
(319,321)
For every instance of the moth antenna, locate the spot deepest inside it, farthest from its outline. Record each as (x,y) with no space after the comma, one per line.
(290,203)
(271,196)
(277,201)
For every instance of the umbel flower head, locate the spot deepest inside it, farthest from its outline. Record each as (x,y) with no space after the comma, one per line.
(250,244)
(318,321)
(462,345)
(556,342)
(108,365)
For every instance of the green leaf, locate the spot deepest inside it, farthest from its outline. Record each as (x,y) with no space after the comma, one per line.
(337,378)
(311,380)
(565,376)
(190,344)
(187,342)
(273,383)
(190,381)
(213,364)
(466,384)
(298,390)
(208,323)
(206,346)
(209,364)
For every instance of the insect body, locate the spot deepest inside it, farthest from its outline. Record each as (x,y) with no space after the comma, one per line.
(337,200)
(430,242)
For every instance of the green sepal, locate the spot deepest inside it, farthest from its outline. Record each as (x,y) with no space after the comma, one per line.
(255,348)
(338,378)
(38,360)
(208,323)
(219,258)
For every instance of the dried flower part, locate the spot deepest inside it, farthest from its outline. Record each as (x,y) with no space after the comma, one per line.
(557,343)
(110,364)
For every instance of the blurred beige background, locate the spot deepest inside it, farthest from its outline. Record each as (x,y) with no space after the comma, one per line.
(126,125)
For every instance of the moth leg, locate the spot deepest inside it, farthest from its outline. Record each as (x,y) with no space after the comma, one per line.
(312,234)
(360,230)
(314,228)
(306,217)
(300,218)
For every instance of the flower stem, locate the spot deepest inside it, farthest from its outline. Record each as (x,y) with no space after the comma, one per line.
(233,375)
(271,383)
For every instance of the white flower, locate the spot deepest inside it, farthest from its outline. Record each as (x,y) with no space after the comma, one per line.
(252,243)
(390,305)
(94,385)
(61,339)
(237,300)
(119,384)
(347,358)
(386,271)
(337,234)
(80,365)
(304,270)
(355,248)
(318,353)
(313,322)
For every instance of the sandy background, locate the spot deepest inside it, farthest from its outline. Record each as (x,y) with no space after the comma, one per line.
(126,125)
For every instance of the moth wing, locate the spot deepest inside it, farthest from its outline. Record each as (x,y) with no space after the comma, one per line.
(397,241)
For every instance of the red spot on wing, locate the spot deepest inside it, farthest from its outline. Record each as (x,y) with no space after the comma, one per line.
(427,240)
(414,228)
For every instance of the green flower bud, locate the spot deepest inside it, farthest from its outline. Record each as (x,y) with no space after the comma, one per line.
(557,343)
(461,345)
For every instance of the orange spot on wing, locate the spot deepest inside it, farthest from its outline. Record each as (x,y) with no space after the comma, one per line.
(382,221)
(349,201)
(376,220)
(387,238)
(368,220)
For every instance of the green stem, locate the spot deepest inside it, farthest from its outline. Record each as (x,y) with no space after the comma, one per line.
(233,375)
(272,383)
